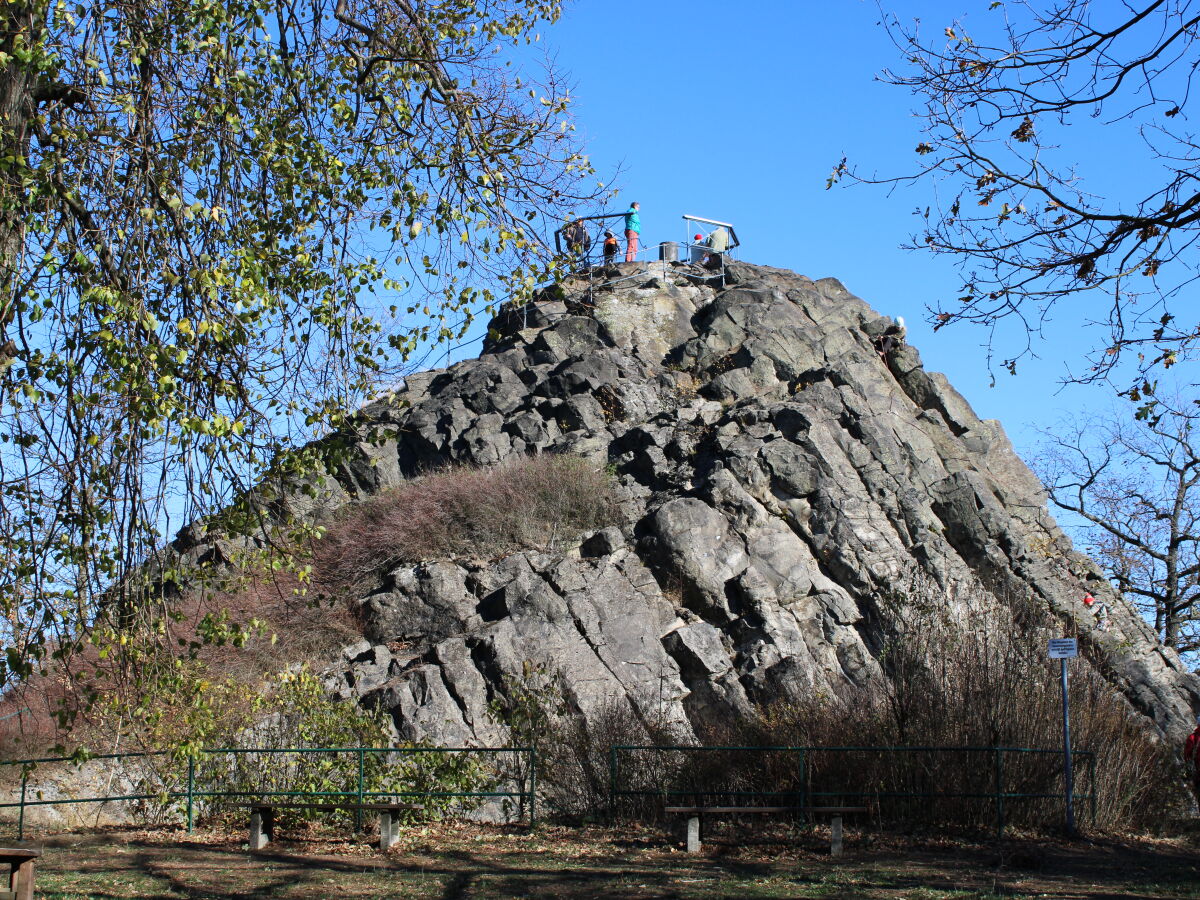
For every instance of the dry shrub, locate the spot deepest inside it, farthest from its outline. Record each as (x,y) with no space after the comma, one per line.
(540,502)
(240,632)
(28,724)
(541,710)
(573,761)
(965,671)
(294,625)
(537,502)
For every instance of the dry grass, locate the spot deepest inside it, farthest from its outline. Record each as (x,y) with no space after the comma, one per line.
(538,502)
(746,859)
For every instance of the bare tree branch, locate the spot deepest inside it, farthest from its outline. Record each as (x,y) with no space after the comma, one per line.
(1019,219)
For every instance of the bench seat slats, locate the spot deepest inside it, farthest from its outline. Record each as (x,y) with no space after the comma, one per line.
(262,817)
(766,809)
(349,807)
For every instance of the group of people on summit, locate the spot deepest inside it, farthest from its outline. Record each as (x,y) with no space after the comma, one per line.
(579,243)
(708,252)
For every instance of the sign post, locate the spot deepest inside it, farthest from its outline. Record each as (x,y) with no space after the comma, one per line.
(1063,649)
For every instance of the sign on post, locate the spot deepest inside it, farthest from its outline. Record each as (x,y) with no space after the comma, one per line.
(1064,648)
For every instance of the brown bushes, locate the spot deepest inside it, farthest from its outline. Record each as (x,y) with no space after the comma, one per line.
(574,757)
(962,673)
(538,502)
(28,726)
(254,621)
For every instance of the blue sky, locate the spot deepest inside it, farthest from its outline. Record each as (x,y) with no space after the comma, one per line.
(740,111)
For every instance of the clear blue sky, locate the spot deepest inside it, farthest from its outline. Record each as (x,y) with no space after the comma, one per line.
(739,112)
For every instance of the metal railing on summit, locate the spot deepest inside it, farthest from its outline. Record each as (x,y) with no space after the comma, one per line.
(590,264)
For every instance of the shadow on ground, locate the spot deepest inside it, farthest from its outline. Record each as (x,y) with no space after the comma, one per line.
(458,861)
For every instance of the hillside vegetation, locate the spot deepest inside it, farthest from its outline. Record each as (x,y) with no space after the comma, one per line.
(231,640)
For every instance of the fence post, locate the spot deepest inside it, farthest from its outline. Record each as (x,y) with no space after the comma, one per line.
(1092,784)
(532,788)
(191,791)
(21,817)
(361,776)
(999,759)
(804,783)
(612,783)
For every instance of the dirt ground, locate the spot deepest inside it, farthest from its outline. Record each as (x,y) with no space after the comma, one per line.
(458,860)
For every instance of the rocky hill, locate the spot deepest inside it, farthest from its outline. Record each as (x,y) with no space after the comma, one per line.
(778,475)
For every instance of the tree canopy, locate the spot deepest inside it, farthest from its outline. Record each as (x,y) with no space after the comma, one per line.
(209,210)
(1025,109)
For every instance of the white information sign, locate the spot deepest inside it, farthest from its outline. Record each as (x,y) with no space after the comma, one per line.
(1063,648)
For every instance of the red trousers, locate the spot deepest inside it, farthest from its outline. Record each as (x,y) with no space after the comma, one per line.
(631,245)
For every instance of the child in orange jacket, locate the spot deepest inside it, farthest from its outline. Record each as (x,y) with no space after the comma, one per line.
(611,245)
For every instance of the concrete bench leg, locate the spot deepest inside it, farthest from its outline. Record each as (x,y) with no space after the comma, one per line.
(835,836)
(260,829)
(693,834)
(388,829)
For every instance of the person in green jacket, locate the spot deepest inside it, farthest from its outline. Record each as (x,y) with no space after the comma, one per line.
(718,243)
(633,229)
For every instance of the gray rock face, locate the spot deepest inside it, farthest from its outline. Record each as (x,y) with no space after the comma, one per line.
(776,475)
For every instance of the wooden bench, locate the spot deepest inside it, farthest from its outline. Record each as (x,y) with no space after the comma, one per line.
(696,815)
(20,861)
(262,818)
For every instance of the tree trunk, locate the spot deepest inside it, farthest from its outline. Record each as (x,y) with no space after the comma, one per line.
(21,28)
(1171,629)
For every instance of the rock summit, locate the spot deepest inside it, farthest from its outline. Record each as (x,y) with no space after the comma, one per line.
(779,469)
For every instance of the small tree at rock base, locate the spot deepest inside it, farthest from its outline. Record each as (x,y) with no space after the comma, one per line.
(1136,483)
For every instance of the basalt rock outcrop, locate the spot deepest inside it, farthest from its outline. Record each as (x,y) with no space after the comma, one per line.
(777,475)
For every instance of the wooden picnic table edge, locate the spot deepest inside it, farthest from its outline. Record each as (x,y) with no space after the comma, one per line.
(327,806)
(732,809)
(16,852)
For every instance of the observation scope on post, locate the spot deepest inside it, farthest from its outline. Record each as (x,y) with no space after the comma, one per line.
(721,233)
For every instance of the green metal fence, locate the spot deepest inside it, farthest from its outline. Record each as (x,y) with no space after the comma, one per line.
(642,779)
(506,774)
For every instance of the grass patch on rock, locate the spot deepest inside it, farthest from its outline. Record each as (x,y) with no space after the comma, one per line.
(528,503)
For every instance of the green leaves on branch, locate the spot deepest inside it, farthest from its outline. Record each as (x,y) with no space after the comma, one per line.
(208,211)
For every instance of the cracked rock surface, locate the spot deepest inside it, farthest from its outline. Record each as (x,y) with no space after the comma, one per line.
(776,477)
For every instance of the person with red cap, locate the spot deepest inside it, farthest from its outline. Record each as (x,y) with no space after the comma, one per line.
(1099,610)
